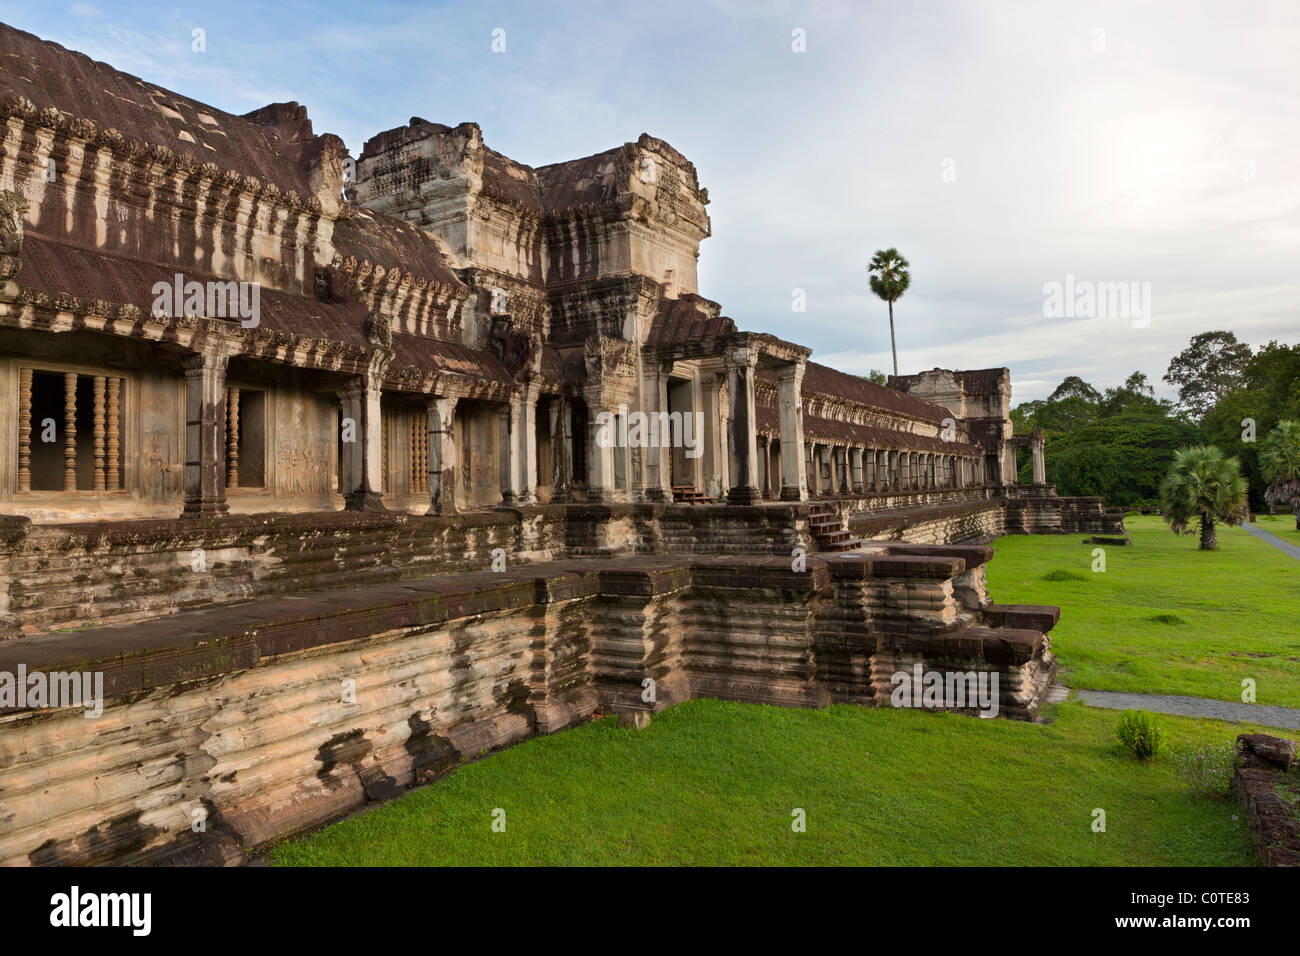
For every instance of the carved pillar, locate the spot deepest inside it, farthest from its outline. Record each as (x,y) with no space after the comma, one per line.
(741,364)
(696,464)
(1040,466)
(24,429)
(714,443)
(561,449)
(528,448)
(363,485)
(205,431)
(794,471)
(521,448)
(600,451)
(855,462)
(113,479)
(232,438)
(657,469)
(70,431)
(442,456)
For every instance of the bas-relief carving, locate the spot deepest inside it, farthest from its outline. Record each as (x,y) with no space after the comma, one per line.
(302,467)
(162,474)
(304,443)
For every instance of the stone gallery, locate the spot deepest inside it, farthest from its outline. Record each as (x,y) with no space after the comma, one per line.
(323,475)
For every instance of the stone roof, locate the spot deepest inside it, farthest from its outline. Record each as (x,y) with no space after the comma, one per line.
(439,355)
(687,319)
(54,267)
(274,144)
(392,244)
(587,181)
(829,381)
(834,430)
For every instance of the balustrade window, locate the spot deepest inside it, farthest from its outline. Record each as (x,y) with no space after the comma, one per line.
(69,431)
(418,481)
(245,438)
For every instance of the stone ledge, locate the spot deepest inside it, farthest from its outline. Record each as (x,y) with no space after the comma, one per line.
(1267,781)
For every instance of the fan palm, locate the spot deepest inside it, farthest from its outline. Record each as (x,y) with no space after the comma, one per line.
(889,280)
(1279,459)
(1203,488)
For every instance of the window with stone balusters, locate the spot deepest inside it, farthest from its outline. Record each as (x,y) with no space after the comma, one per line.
(246,410)
(69,431)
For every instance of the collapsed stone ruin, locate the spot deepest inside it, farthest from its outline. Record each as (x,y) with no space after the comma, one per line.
(337,472)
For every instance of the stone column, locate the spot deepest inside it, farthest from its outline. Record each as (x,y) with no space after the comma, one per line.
(526,446)
(741,363)
(714,443)
(205,433)
(505,460)
(561,443)
(442,456)
(855,462)
(1008,464)
(794,474)
(1040,466)
(696,464)
(600,452)
(363,457)
(659,457)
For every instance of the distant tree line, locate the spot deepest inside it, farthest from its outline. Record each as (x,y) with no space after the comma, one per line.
(1120,443)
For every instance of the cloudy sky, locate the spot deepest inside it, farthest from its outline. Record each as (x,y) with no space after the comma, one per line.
(1001,146)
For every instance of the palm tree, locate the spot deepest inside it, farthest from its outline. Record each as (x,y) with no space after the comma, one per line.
(1203,487)
(1279,458)
(889,280)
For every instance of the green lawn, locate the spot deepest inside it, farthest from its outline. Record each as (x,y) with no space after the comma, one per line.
(1281,525)
(711,782)
(1165,617)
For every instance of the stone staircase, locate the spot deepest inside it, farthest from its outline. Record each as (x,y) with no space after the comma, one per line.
(688,495)
(828,530)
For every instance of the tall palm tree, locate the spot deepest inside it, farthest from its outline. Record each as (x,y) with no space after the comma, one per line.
(889,280)
(1202,488)
(1279,459)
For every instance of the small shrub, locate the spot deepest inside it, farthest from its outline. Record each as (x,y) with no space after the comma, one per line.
(1167,619)
(1207,770)
(1062,575)
(1139,732)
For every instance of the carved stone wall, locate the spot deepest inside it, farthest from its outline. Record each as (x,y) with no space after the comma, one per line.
(274,717)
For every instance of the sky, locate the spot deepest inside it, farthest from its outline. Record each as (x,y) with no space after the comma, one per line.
(1000,146)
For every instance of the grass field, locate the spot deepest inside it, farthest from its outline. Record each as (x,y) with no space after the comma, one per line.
(1281,525)
(711,782)
(1165,617)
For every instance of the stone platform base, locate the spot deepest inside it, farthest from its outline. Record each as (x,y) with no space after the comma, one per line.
(266,718)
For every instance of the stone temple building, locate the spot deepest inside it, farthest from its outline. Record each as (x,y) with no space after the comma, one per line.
(337,471)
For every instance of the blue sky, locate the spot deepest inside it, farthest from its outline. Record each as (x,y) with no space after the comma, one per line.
(999,145)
